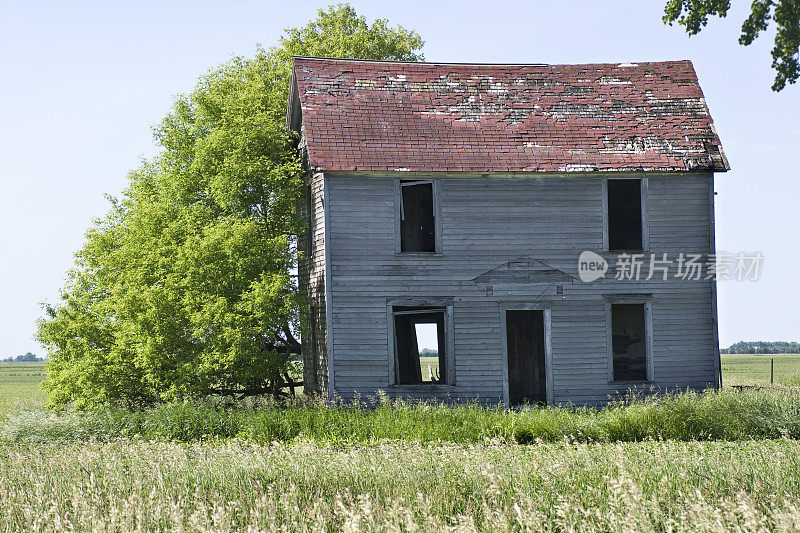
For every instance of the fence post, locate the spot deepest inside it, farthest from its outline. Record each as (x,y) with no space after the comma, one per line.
(772,371)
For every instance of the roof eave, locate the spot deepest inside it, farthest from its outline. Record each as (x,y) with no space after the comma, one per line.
(725,164)
(627,172)
(294,115)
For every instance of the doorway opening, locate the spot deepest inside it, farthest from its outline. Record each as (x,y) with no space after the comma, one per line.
(527,372)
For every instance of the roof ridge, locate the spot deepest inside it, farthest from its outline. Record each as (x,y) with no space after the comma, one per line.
(474,64)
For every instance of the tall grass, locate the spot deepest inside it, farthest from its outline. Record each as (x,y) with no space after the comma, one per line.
(565,486)
(204,466)
(721,415)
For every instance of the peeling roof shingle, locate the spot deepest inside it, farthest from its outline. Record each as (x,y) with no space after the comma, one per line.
(428,117)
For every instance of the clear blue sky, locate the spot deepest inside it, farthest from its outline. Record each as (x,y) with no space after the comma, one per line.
(81,83)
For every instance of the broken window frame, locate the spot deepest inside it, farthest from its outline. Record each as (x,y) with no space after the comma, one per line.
(644,213)
(445,342)
(400,215)
(646,302)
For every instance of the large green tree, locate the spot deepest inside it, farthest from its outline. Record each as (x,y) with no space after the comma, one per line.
(185,288)
(693,16)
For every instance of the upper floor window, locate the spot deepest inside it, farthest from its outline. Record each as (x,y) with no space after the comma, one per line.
(624,214)
(417,217)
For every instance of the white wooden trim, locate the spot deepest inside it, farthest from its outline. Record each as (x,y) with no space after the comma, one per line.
(328,304)
(548,357)
(391,346)
(432,301)
(450,345)
(437,215)
(609,343)
(645,201)
(714,309)
(604,200)
(504,352)
(648,342)
(398,216)
(428,174)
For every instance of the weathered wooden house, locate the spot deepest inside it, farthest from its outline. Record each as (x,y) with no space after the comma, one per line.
(453,201)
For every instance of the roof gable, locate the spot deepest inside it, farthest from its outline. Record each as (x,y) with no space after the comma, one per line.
(429,117)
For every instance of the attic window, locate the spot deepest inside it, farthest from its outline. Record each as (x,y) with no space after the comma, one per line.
(417,218)
(419,345)
(624,214)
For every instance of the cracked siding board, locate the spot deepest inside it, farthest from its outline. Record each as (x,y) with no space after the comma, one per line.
(487,222)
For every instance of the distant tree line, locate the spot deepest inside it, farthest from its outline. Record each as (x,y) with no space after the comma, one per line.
(763,347)
(27,358)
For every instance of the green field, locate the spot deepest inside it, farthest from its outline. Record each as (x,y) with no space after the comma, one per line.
(20,386)
(745,369)
(20,382)
(720,462)
(429,365)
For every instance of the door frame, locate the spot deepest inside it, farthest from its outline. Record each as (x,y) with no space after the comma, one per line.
(548,351)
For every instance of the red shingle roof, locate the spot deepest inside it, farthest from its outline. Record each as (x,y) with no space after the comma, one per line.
(428,117)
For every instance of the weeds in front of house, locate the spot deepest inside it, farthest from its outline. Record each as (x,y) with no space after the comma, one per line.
(713,415)
(660,463)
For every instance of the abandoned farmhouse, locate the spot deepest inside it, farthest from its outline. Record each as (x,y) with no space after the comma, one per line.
(448,206)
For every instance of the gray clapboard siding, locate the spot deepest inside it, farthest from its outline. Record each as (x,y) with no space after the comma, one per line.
(486,222)
(311,273)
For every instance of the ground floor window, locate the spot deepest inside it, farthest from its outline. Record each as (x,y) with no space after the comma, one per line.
(629,341)
(419,345)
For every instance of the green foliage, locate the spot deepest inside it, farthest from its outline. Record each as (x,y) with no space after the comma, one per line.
(338,31)
(726,415)
(697,12)
(185,288)
(693,15)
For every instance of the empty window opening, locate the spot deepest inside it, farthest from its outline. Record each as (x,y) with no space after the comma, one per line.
(629,342)
(625,214)
(420,345)
(417,218)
